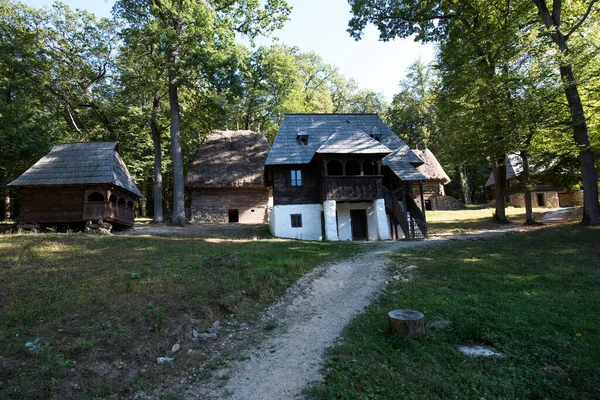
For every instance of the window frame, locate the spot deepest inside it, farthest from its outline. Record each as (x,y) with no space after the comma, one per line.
(296,178)
(296,220)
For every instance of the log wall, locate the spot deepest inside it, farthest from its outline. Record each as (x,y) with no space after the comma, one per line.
(212,205)
(285,193)
(52,204)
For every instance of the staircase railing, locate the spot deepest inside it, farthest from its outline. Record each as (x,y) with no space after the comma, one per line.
(398,215)
(410,217)
(416,216)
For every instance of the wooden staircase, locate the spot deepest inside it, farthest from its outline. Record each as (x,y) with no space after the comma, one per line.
(406,214)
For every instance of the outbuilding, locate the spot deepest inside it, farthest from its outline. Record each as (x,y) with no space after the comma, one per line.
(77,182)
(226,179)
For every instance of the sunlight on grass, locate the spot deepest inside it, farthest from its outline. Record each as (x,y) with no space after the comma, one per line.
(132,297)
(533,297)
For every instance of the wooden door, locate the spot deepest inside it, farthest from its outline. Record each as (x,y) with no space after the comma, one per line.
(358,222)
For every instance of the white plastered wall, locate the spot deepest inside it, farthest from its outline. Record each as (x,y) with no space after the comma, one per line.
(344,224)
(281,225)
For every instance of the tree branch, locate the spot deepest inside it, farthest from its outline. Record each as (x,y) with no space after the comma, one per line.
(585,16)
(556,11)
(544,13)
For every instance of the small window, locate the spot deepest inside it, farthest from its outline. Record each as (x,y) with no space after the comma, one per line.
(113,198)
(122,202)
(296,220)
(96,197)
(296,176)
(375,134)
(302,136)
(302,139)
(130,205)
(233,215)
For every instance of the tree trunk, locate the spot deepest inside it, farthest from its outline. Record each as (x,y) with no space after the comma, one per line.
(6,201)
(464,184)
(499,170)
(526,192)
(158,178)
(178,189)
(591,207)
(407,323)
(143,202)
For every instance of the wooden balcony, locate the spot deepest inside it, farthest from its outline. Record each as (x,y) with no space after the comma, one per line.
(108,212)
(352,188)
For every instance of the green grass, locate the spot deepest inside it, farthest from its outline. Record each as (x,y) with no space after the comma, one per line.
(105,307)
(535,297)
(472,218)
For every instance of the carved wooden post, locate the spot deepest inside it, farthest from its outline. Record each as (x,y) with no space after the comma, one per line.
(407,323)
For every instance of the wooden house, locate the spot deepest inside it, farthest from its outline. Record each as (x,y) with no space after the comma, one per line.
(77,182)
(226,179)
(433,187)
(342,177)
(542,195)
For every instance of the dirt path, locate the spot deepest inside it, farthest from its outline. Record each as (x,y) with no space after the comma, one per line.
(310,316)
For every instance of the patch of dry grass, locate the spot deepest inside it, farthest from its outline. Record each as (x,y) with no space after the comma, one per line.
(105,307)
(472,219)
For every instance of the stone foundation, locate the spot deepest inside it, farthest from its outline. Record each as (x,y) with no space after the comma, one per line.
(571,199)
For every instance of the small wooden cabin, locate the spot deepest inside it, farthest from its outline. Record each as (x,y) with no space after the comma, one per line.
(77,182)
(542,195)
(433,187)
(226,179)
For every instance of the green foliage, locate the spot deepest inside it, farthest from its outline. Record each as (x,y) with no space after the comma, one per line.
(412,113)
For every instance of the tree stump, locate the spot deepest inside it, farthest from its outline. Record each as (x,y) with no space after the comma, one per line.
(407,323)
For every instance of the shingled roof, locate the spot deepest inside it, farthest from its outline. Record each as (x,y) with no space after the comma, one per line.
(79,164)
(320,127)
(350,140)
(229,159)
(514,168)
(432,169)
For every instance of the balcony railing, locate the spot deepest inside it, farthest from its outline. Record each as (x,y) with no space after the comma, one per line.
(108,212)
(352,188)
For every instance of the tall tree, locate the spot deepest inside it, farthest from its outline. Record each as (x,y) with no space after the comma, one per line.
(192,35)
(434,20)
(553,20)
(412,113)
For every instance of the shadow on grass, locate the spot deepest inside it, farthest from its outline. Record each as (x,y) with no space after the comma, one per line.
(105,307)
(534,297)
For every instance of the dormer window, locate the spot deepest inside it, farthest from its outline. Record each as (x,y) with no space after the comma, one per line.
(302,136)
(375,134)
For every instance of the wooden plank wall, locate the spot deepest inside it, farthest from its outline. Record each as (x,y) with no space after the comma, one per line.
(52,204)
(285,193)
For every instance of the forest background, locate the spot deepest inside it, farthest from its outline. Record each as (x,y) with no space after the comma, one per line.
(161,75)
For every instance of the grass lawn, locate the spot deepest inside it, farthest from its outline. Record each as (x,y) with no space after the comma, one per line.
(473,218)
(99,310)
(534,297)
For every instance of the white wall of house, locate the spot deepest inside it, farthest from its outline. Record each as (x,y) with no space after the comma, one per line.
(382,226)
(344,223)
(280,221)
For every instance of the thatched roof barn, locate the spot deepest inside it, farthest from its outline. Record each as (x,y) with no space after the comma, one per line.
(76,182)
(226,178)
(431,167)
(433,187)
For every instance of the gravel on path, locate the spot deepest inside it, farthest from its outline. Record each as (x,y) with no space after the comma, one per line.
(311,315)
